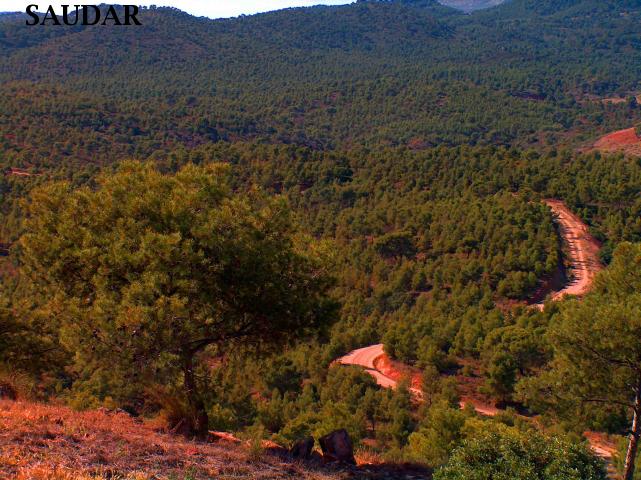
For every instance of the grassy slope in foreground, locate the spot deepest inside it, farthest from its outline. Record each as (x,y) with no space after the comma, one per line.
(55,443)
(49,442)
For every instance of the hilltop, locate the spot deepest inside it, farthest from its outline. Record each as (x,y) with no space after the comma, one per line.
(471,5)
(413,73)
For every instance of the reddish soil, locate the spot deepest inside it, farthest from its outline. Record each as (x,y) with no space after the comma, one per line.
(49,442)
(582,250)
(46,442)
(624,141)
(398,371)
(602,444)
(468,386)
(388,373)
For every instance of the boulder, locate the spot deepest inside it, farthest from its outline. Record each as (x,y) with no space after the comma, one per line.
(337,446)
(302,449)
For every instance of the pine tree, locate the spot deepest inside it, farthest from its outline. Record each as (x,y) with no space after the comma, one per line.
(597,352)
(147,271)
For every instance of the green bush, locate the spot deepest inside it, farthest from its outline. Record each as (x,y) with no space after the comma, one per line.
(441,432)
(506,453)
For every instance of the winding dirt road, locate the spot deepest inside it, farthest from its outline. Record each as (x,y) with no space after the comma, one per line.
(365,357)
(583,251)
(369,357)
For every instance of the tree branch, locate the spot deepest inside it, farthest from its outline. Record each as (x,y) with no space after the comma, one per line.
(608,401)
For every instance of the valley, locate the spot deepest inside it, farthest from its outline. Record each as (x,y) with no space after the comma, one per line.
(583,262)
(204,224)
(584,265)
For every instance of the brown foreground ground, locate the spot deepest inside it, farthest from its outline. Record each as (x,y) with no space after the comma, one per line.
(39,442)
(49,442)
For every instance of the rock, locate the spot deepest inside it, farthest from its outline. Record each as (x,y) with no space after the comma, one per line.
(7,392)
(316,457)
(128,410)
(337,446)
(302,448)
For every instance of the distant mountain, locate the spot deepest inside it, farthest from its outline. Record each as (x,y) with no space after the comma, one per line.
(401,72)
(570,9)
(9,16)
(471,5)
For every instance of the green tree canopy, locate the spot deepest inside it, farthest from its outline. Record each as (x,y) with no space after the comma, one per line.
(146,270)
(506,453)
(396,244)
(597,353)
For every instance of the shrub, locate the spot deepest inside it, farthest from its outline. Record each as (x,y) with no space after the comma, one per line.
(500,452)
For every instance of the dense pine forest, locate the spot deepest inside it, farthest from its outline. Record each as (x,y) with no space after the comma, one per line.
(200,216)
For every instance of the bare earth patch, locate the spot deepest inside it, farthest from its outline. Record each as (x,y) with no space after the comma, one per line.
(583,251)
(624,141)
(40,441)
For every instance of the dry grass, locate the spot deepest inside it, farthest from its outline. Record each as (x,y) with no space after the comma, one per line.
(39,442)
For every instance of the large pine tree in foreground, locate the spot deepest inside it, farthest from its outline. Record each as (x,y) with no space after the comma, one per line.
(597,349)
(145,271)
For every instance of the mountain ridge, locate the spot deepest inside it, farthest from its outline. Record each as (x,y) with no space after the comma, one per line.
(472,5)
(409,74)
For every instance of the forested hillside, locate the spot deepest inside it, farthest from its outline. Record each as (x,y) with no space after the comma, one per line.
(471,5)
(231,205)
(412,73)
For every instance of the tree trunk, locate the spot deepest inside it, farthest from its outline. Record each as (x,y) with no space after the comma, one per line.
(200,420)
(635,433)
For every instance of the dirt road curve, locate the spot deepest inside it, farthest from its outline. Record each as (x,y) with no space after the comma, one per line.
(583,250)
(365,357)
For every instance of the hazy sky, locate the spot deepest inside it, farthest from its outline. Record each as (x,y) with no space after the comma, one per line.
(208,8)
